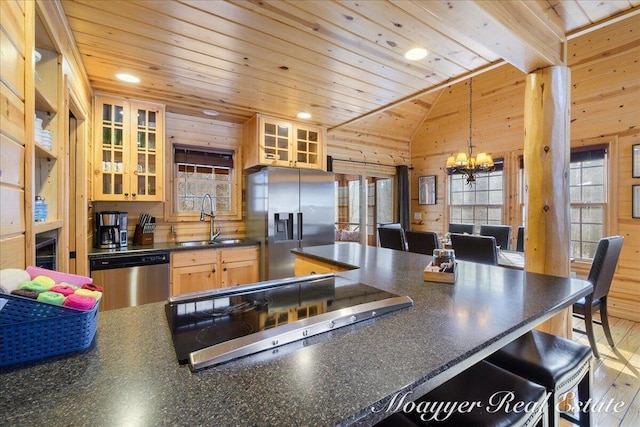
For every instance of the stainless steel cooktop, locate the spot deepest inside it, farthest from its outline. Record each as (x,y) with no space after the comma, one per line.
(213,327)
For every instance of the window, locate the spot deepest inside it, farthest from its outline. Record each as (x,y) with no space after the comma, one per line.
(478,203)
(364,199)
(198,172)
(379,204)
(347,206)
(587,186)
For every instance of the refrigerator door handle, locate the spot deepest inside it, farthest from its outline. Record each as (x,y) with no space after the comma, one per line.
(300,226)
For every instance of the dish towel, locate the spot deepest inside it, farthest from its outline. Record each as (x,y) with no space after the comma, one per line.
(26,293)
(33,286)
(45,281)
(92,287)
(87,293)
(79,302)
(51,297)
(63,289)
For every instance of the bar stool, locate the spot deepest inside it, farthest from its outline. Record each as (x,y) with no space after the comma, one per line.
(483,383)
(556,363)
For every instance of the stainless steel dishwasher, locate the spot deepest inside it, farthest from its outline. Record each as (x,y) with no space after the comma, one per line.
(131,279)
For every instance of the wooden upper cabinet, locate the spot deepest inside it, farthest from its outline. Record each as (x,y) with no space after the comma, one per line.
(269,141)
(129,150)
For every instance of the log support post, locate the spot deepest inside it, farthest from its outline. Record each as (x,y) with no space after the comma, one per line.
(547,120)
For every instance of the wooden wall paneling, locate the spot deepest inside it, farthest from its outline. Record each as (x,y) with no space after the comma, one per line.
(11,163)
(12,251)
(12,212)
(347,144)
(12,70)
(587,48)
(13,15)
(12,114)
(14,146)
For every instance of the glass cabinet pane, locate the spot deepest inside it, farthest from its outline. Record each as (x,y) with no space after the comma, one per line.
(118,116)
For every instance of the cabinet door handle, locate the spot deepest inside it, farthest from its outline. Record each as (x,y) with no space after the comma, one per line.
(133,194)
(213,271)
(224,269)
(126,194)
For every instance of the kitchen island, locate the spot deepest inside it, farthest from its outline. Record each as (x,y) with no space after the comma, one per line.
(130,375)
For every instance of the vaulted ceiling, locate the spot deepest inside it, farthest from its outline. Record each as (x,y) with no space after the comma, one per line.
(341,61)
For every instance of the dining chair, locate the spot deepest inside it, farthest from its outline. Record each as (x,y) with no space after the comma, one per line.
(502,233)
(520,239)
(557,363)
(603,266)
(392,238)
(422,242)
(481,382)
(460,228)
(480,249)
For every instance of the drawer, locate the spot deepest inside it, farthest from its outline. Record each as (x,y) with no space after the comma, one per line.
(239,254)
(196,257)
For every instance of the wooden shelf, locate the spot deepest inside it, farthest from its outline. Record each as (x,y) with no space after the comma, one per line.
(44,153)
(43,103)
(41,227)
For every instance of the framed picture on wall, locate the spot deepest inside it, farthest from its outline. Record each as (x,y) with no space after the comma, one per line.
(427,190)
(635,161)
(635,202)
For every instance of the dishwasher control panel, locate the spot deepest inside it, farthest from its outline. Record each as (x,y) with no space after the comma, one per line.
(129,260)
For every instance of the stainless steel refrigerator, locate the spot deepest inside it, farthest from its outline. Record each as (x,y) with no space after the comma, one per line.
(288,209)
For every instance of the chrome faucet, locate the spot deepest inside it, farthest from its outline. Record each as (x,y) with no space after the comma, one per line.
(213,234)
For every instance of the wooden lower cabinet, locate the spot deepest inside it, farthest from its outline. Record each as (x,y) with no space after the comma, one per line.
(205,269)
(304,266)
(239,266)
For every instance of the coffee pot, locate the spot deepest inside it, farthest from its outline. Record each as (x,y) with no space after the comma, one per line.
(107,231)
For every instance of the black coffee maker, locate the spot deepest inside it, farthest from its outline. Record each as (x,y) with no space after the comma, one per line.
(107,231)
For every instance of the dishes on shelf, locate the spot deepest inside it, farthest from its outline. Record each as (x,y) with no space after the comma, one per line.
(42,136)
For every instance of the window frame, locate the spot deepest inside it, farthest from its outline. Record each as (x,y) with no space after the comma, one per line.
(171,213)
(364,171)
(604,205)
(503,204)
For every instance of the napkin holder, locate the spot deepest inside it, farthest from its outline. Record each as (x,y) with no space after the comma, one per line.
(440,276)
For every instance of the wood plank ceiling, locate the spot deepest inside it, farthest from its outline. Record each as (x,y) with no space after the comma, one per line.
(341,61)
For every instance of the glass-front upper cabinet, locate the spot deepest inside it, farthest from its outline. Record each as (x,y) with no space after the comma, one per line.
(129,150)
(275,142)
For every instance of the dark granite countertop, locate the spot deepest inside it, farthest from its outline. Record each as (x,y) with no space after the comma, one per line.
(130,374)
(167,246)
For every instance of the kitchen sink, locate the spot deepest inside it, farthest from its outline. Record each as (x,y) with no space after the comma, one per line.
(228,241)
(197,243)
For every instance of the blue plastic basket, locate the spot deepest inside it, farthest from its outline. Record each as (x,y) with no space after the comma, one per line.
(31,330)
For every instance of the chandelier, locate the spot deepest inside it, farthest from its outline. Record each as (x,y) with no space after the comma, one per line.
(464,163)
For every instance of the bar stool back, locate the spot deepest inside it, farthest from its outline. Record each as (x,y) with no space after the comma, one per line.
(600,275)
(483,383)
(554,362)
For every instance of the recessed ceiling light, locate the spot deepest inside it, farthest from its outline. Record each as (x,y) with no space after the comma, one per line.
(210,112)
(415,54)
(129,78)
(303,115)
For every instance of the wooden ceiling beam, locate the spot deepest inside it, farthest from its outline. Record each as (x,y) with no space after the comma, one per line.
(515,31)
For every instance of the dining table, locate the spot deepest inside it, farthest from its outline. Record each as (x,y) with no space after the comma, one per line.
(511,259)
